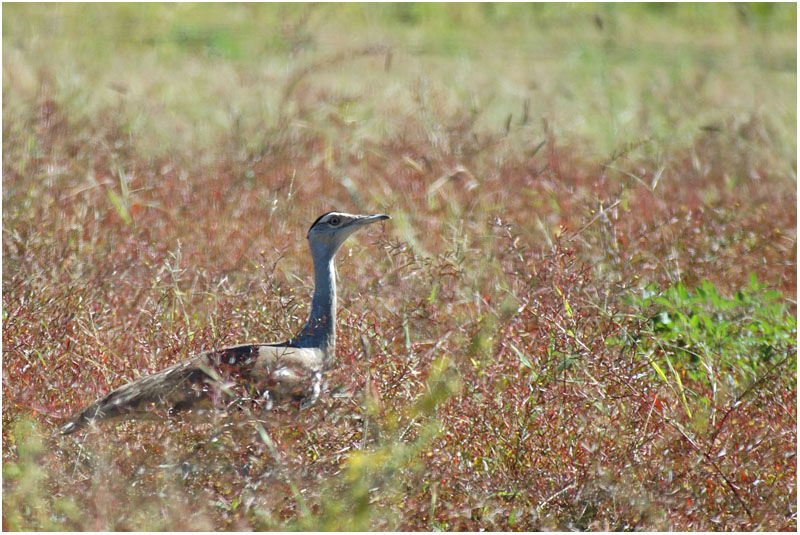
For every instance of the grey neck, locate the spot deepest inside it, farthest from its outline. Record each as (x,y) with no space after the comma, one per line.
(320,329)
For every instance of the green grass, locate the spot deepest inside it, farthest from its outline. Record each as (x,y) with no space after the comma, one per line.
(560,327)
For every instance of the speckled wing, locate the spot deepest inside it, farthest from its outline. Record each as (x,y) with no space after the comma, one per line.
(274,371)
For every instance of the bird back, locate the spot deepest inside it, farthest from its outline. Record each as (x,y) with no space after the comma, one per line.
(211,379)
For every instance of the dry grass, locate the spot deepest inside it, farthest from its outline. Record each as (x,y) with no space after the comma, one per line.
(498,367)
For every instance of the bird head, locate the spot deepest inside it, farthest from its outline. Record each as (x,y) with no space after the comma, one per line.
(330,230)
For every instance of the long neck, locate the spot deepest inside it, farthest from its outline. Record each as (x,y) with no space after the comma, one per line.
(320,330)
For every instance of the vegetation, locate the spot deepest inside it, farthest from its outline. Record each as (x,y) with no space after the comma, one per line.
(581,315)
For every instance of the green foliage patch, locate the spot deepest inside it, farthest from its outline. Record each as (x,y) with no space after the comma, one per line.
(710,337)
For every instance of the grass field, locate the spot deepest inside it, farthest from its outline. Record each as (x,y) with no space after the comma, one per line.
(582,314)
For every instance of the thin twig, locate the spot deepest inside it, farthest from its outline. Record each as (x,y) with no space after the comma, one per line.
(737,403)
(711,461)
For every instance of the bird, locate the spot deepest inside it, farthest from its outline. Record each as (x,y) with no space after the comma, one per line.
(291,369)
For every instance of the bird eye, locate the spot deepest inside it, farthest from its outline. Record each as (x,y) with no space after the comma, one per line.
(334,221)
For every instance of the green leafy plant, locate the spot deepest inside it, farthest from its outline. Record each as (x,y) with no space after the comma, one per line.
(700,335)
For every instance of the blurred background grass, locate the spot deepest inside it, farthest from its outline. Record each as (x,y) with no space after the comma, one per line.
(603,74)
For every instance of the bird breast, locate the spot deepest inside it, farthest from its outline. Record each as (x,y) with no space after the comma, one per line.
(286,369)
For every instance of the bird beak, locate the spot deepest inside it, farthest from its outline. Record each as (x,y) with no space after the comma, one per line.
(367,219)
(356,224)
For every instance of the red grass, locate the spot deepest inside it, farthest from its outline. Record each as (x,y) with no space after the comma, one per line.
(501,246)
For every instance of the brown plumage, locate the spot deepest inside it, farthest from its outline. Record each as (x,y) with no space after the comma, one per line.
(267,371)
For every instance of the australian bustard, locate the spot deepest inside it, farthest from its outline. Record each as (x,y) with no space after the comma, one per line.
(293,368)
